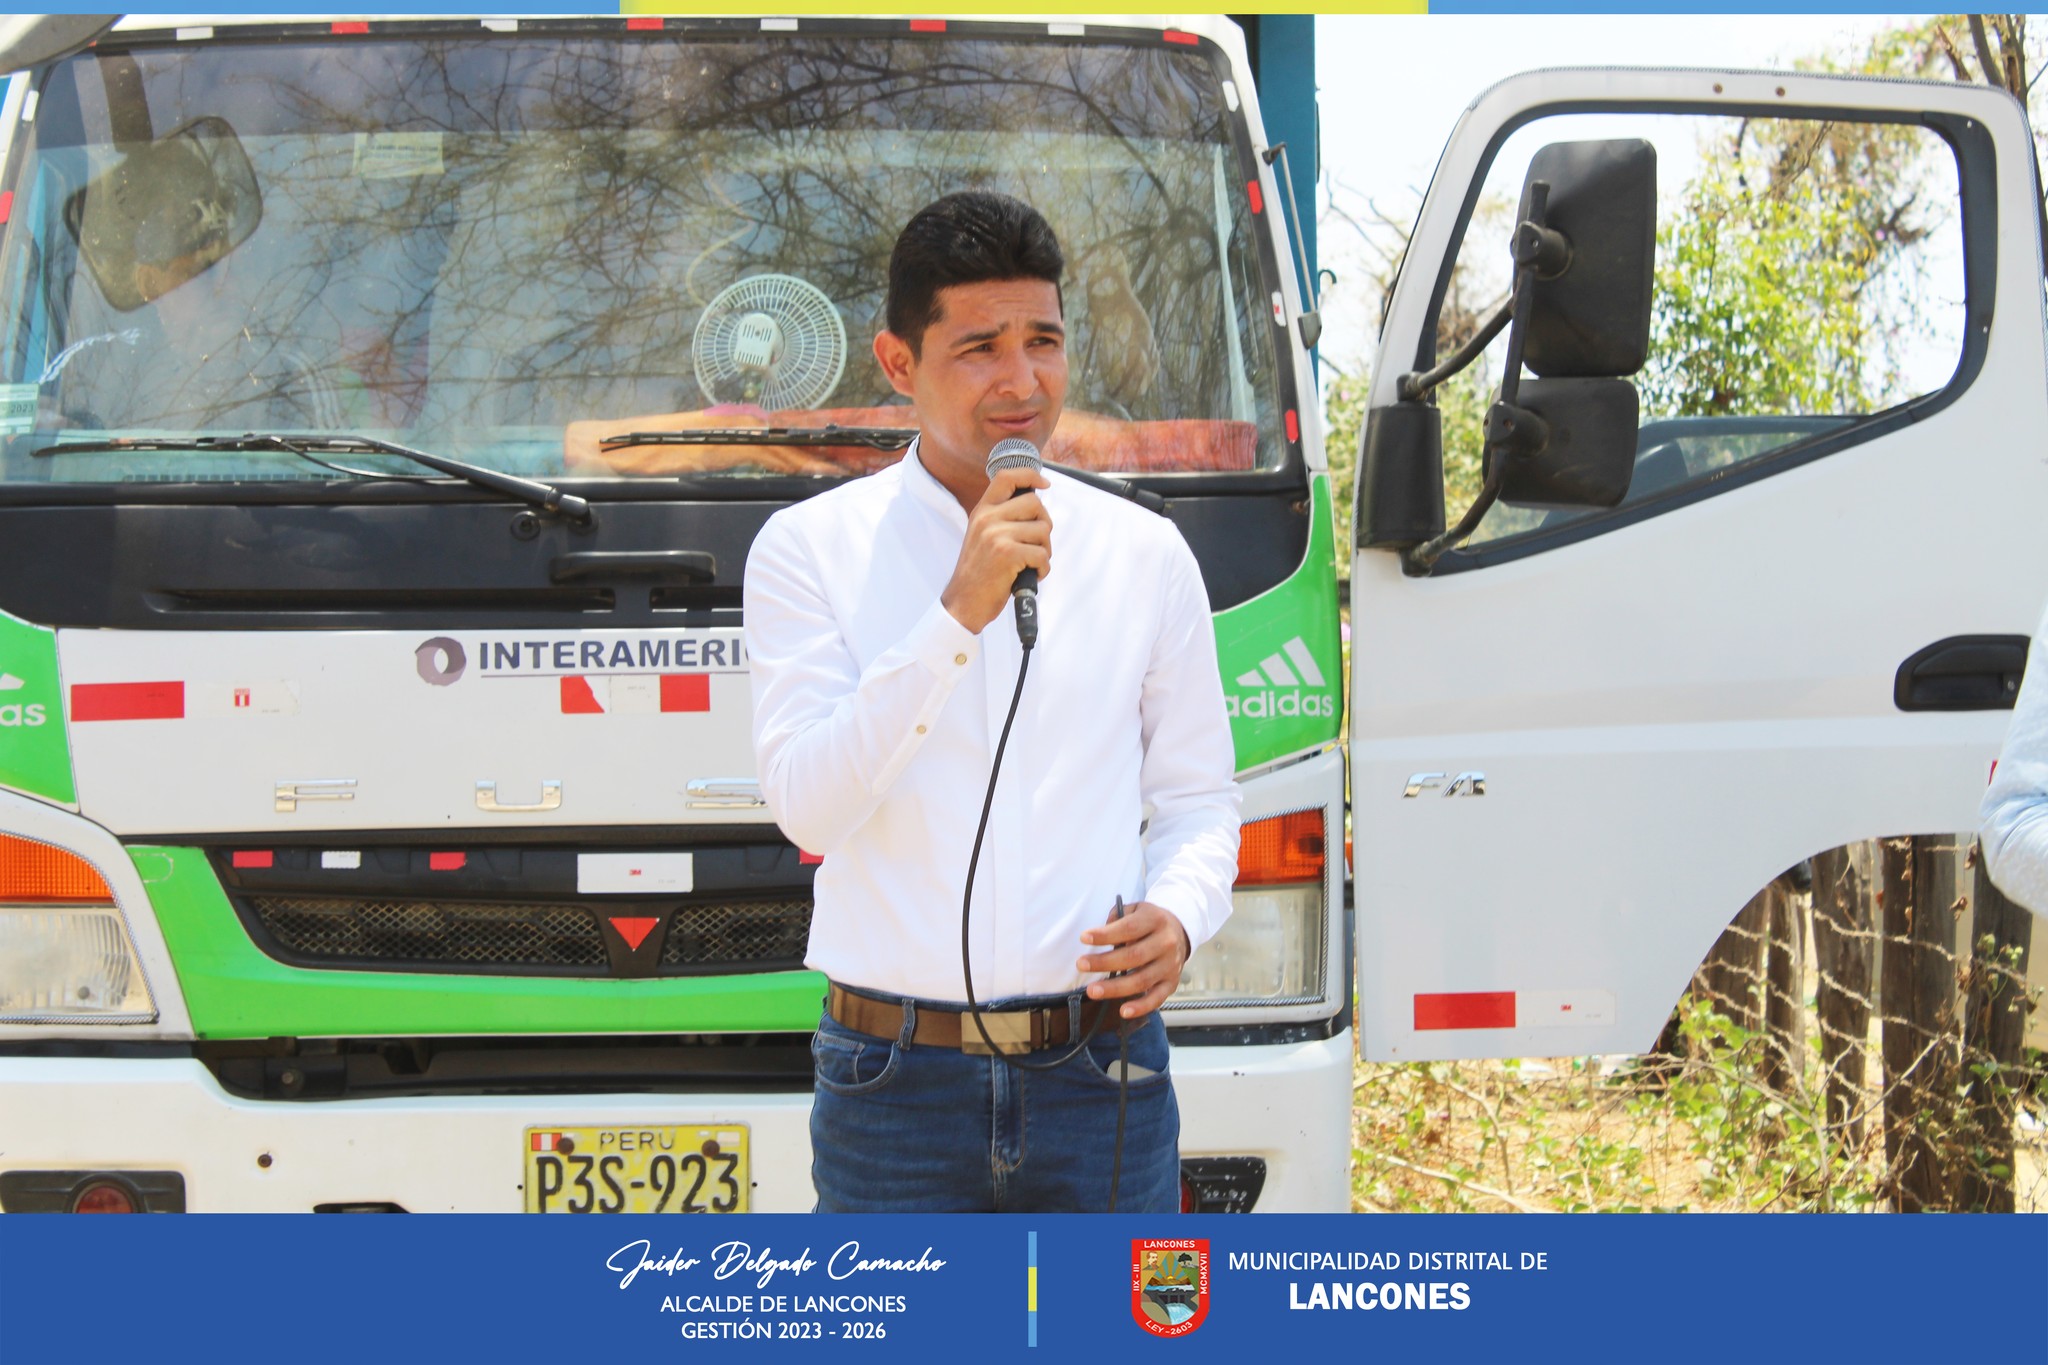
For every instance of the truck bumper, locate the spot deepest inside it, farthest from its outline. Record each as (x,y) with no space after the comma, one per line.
(1287,1104)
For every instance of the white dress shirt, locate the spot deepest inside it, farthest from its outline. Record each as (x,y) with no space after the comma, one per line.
(876,716)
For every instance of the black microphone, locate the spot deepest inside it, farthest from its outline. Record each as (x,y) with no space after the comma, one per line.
(1017,453)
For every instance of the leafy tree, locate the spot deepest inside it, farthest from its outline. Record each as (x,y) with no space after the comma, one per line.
(1766,297)
(1788,280)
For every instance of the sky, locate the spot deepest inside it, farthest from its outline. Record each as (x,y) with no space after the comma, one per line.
(1392,86)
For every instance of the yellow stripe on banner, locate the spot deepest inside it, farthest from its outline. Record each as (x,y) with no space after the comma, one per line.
(1034,1289)
(1009,7)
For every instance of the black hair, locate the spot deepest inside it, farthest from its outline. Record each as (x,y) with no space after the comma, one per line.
(965,238)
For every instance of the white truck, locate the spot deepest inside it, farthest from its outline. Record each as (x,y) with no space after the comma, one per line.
(389,406)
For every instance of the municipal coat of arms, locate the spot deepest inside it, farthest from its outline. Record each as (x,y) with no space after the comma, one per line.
(1169,1284)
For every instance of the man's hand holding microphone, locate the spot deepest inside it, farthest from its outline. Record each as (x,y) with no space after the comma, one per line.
(1008,534)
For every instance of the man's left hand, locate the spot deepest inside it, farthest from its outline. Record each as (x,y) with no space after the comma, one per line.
(1149,946)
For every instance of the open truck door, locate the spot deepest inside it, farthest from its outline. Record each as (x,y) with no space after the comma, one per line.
(1789,613)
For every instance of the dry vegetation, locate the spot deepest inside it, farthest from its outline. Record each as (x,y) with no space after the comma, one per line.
(1620,1134)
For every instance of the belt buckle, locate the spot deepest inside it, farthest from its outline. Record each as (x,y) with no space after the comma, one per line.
(1011,1031)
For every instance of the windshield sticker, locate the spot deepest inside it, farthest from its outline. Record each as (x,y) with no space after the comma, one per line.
(17,408)
(395,156)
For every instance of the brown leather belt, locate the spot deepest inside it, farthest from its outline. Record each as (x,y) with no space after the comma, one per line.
(1014,1030)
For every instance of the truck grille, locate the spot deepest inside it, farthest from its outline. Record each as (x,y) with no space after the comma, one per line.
(701,936)
(432,932)
(527,938)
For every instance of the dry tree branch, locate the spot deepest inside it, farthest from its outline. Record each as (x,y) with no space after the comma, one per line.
(1485,1190)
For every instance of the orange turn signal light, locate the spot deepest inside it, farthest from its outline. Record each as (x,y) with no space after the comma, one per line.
(31,872)
(1285,848)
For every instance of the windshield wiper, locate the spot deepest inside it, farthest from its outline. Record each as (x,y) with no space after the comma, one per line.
(545,496)
(874,438)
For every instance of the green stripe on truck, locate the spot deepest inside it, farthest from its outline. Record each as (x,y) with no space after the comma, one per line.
(234,990)
(35,756)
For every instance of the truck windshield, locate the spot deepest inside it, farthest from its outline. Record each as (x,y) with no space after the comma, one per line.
(507,248)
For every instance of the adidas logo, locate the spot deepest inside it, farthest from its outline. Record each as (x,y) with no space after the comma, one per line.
(1292,668)
(1275,668)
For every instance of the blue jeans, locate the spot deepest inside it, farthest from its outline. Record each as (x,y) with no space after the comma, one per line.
(897,1128)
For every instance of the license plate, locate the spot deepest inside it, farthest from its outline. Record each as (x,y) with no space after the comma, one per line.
(653,1168)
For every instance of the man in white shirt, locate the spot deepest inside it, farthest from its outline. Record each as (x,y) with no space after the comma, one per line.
(883,663)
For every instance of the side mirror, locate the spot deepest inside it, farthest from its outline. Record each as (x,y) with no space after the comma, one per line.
(1589,313)
(165,212)
(1585,249)
(1565,443)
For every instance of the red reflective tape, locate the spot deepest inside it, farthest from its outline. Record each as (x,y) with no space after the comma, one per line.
(350,26)
(1293,426)
(1465,1009)
(1251,188)
(128,701)
(927,25)
(653,21)
(6,205)
(578,699)
(803,858)
(1174,35)
(634,929)
(686,691)
(255,857)
(447,862)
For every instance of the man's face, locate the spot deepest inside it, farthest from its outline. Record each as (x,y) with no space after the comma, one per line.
(994,365)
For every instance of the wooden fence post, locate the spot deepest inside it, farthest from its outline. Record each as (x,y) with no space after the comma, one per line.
(1733,971)
(1918,1000)
(1842,958)
(1785,995)
(1994,1027)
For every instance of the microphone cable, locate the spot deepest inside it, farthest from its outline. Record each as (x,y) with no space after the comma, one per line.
(1123,1028)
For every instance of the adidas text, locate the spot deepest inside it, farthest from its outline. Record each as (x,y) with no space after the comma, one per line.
(1268,702)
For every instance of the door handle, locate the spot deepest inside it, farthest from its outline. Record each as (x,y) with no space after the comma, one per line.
(289,794)
(550,798)
(717,792)
(663,566)
(1963,673)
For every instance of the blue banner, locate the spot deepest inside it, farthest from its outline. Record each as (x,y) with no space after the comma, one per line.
(1671,1288)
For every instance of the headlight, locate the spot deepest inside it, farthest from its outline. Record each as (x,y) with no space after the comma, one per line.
(1273,949)
(64,950)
